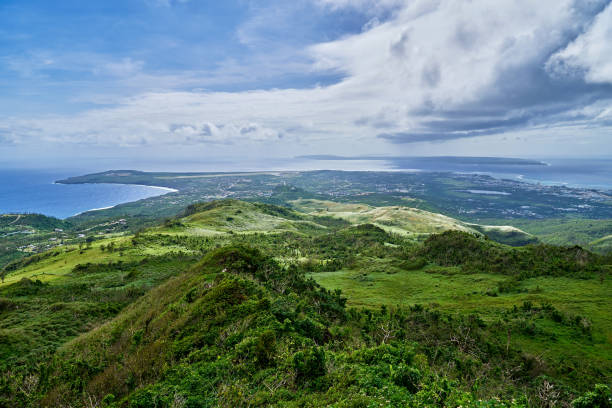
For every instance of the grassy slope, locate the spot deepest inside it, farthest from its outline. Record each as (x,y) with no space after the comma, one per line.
(447,290)
(372,274)
(602,245)
(462,285)
(237,330)
(217,220)
(412,222)
(240,216)
(37,316)
(592,234)
(59,262)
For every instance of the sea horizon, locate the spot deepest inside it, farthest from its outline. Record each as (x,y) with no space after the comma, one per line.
(37,190)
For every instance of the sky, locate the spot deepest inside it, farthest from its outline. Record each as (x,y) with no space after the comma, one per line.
(199,80)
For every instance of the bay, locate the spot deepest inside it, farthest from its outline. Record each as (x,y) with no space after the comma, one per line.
(34,191)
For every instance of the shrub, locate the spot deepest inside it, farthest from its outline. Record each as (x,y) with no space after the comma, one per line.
(600,397)
(265,347)
(407,377)
(309,364)
(6,305)
(235,259)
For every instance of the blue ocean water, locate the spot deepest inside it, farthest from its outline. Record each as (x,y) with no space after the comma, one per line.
(570,172)
(579,173)
(34,191)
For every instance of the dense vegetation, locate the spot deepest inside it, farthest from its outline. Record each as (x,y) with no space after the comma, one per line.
(237,329)
(248,304)
(453,248)
(588,233)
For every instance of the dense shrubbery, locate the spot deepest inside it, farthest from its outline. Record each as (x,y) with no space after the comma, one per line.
(218,322)
(238,329)
(600,397)
(473,254)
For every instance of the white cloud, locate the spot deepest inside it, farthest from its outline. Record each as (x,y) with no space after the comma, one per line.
(590,55)
(122,68)
(38,63)
(368,6)
(435,71)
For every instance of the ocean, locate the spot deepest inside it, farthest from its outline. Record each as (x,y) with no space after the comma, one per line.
(579,173)
(34,191)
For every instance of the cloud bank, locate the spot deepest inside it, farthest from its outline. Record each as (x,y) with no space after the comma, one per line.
(417,73)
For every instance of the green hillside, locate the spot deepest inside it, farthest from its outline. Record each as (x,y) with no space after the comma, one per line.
(602,245)
(36,221)
(19,231)
(237,303)
(239,216)
(589,233)
(413,222)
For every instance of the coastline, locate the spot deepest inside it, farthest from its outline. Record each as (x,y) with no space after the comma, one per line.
(167,190)
(94,209)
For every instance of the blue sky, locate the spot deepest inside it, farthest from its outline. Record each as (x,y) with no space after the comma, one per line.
(195,79)
(57,54)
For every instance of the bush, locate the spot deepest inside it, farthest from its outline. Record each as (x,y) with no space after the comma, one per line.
(6,305)
(407,377)
(309,364)
(265,347)
(236,259)
(600,397)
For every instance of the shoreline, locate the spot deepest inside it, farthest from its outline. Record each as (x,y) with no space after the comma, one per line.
(167,190)
(170,190)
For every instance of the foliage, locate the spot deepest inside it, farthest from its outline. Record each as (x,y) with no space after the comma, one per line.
(176,317)
(455,248)
(600,397)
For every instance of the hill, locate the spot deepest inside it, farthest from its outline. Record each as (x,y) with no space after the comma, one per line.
(589,233)
(36,221)
(18,232)
(237,329)
(240,216)
(412,222)
(235,303)
(602,245)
